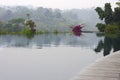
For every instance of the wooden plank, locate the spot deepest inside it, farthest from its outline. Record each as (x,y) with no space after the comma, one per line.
(107,68)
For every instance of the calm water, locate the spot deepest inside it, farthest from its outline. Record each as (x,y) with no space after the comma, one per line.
(50,40)
(49,56)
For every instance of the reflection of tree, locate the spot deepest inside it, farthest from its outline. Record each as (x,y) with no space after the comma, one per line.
(30,35)
(116,45)
(107,45)
(100,46)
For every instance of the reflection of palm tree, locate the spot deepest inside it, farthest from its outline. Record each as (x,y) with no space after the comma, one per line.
(116,44)
(107,45)
(100,46)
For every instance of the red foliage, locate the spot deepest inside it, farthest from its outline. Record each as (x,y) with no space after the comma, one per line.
(77,30)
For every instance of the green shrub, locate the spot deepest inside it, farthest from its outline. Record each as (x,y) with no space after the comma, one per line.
(101,27)
(112,29)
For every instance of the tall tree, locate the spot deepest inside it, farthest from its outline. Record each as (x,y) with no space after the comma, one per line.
(28,16)
(100,12)
(106,14)
(117,13)
(31,24)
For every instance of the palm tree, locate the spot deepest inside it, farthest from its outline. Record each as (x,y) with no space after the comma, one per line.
(30,23)
(28,16)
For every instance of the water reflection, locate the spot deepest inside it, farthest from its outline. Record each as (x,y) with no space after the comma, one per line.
(30,36)
(78,33)
(108,44)
(57,63)
(48,40)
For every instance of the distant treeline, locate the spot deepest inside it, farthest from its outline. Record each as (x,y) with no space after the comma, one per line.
(46,19)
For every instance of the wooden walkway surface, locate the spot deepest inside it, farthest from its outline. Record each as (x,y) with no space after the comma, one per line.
(107,68)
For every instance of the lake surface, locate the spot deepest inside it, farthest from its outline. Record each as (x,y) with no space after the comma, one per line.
(49,40)
(49,56)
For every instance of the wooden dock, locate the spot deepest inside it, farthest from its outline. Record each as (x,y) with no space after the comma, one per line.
(107,68)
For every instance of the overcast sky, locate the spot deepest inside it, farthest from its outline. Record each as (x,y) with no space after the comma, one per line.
(61,4)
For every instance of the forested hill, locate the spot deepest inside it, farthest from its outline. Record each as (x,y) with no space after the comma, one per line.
(51,19)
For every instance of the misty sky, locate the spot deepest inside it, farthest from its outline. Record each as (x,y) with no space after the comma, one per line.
(61,4)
